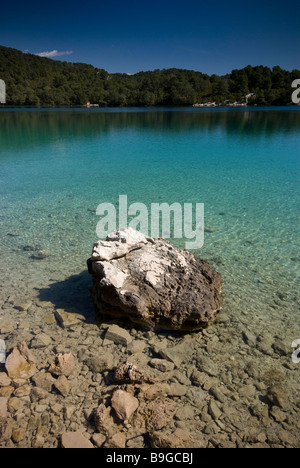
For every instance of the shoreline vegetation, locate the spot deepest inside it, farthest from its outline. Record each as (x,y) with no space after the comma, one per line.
(38,81)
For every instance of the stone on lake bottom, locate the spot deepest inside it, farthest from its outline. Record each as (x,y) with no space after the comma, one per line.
(124,404)
(63,364)
(75,440)
(62,385)
(68,319)
(152,283)
(20,363)
(117,441)
(118,335)
(5,381)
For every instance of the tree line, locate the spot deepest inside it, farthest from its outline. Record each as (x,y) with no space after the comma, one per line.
(36,81)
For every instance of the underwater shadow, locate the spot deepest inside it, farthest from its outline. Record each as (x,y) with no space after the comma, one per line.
(72,295)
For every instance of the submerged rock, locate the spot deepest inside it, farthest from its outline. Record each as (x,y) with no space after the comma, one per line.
(166,440)
(118,335)
(124,404)
(3,416)
(154,415)
(68,319)
(129,373)
(152,283)
(63,364)
(41,255)
(20,364)
(71,440)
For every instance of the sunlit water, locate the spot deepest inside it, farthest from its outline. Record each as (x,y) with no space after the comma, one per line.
(57,166)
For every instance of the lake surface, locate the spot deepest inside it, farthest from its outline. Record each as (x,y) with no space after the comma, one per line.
(57,166)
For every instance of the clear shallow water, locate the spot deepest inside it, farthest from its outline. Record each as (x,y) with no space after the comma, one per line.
(56,166)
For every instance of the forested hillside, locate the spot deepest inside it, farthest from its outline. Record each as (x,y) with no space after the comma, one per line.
(33,80)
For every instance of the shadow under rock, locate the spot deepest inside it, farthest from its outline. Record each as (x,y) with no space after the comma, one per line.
(72,295)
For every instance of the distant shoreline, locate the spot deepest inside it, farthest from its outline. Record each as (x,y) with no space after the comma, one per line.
(54,83)
(149,108)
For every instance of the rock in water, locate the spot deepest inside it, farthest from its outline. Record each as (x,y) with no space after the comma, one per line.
(20,364)
(124,404)
(75,440)
(153,283)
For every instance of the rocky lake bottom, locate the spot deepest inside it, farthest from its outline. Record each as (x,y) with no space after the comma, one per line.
(232,384)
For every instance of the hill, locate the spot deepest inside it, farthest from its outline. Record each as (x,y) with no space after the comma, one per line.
(33,80)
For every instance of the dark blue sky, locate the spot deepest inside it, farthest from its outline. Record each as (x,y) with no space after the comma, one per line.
(120,36)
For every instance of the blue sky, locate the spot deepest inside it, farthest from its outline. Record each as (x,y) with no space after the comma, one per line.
(127,37)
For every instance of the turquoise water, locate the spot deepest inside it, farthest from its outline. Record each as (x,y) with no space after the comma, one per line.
(57,166)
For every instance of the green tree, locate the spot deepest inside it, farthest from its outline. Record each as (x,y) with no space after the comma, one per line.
(238,82)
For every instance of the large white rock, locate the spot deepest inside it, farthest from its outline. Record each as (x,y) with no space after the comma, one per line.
(118,244)
(152,283)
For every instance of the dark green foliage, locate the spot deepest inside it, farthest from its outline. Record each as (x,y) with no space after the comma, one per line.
(32,80)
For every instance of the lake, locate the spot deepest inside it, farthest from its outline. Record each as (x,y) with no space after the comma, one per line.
(58,165)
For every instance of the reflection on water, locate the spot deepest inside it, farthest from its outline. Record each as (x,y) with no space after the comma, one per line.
(38,127)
